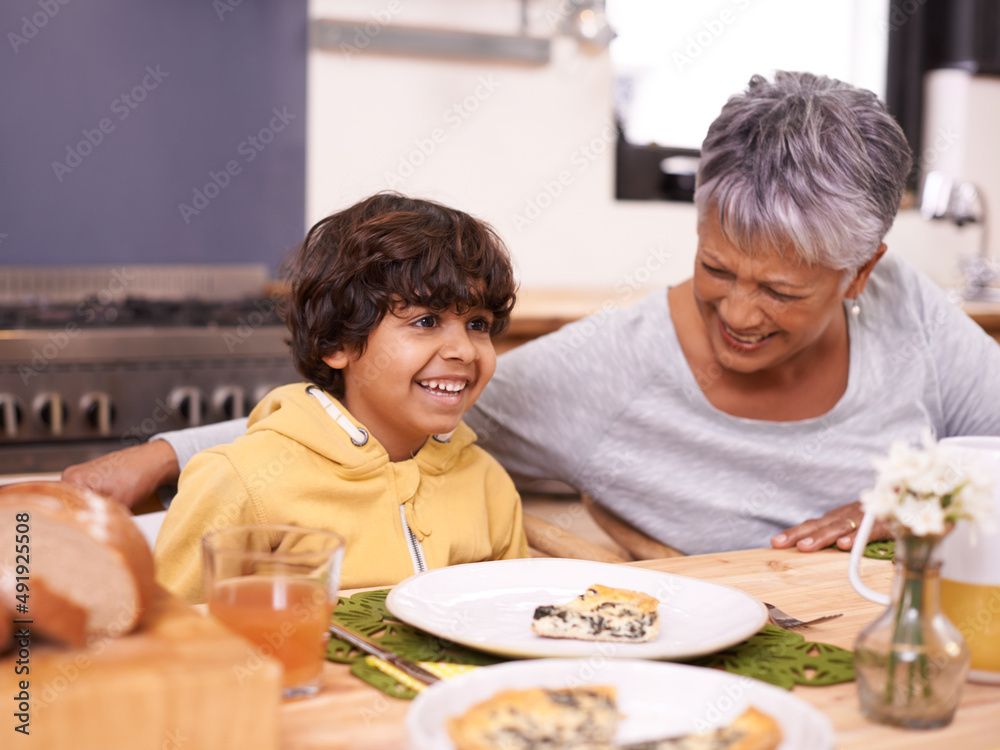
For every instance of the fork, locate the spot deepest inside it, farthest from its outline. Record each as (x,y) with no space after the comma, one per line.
(784,620)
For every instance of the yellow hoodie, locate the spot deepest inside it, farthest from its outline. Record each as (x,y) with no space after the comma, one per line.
(297,465)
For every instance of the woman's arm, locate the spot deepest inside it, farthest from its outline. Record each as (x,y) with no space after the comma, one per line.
(132,474)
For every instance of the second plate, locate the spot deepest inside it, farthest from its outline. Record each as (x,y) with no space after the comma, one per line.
(489,606)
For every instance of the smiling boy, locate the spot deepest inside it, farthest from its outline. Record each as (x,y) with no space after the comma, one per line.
(394,303)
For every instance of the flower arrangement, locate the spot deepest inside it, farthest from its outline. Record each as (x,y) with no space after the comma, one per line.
(927,488)
(911,662)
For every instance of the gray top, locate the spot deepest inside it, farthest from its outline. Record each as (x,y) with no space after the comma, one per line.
(610,406)
(194,439)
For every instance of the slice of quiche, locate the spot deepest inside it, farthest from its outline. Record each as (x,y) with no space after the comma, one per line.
(580,718)
(586,718)
(751,730)
(601,613)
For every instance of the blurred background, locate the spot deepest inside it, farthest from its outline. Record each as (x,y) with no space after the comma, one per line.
(533,114)
(159,159)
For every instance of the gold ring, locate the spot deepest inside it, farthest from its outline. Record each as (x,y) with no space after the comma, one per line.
(854,526)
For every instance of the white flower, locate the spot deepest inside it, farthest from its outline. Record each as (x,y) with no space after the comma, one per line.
(880,502)
(975,498)
(921,516)
(926,488)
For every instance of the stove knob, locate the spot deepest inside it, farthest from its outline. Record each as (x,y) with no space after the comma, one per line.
(51,409)
(231,402)
(99,411)
(10,415)
(190,403)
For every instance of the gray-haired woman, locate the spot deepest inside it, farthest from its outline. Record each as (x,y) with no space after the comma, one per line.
(727,411)
(754,396)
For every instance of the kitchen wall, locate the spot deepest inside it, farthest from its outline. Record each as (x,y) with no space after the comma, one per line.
(961,136)
(151,132)
(527,147)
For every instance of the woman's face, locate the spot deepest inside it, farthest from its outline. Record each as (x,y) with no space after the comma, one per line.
(764,311)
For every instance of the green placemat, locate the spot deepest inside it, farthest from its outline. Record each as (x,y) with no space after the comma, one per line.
(880,550)
(773,655)
(784,658)
(365,612)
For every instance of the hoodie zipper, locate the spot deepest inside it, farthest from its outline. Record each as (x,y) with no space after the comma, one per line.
(416,551)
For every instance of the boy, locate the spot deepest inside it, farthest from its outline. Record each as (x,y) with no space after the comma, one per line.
(393,306)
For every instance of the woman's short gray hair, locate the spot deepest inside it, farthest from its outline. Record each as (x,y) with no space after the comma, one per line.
(808,161)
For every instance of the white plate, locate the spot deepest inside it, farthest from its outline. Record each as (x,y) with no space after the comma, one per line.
(489,606)
(656,699)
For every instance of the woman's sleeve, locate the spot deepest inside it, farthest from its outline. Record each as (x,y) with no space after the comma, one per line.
(186,443)
(967,360)
(537,415)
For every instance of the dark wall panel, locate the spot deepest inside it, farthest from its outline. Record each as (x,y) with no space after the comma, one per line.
(151,132)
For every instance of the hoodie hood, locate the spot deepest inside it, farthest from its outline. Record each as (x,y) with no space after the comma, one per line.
(293,412)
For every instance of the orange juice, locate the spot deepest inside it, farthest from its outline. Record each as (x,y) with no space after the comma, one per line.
(975,610)
(284,617)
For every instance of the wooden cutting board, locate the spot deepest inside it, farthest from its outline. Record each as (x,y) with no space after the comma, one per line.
(180,681)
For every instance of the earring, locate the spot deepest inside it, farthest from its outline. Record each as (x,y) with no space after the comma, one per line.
(855,309)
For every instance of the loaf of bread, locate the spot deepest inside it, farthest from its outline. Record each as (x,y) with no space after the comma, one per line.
(87,568)
(6,629)
(601,613)
(581,718)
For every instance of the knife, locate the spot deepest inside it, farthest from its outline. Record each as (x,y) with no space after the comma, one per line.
(370,647)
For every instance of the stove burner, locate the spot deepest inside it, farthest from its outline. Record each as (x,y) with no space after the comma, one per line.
(134,312)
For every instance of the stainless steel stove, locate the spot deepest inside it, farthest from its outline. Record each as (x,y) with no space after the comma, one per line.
(97,359)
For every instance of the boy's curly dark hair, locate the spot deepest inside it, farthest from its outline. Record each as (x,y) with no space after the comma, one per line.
(388,251)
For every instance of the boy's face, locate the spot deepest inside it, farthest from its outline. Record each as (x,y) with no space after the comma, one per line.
(420,372)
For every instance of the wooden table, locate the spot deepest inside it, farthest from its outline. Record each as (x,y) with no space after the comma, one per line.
(349,714)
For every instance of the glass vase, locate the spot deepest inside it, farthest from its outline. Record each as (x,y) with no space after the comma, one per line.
(911,663)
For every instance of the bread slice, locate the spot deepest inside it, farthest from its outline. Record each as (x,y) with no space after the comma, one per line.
(89,569)
(751,730)
(601,613)
(580,718)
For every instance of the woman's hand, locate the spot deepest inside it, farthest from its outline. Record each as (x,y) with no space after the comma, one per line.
(129,475)
(839,526)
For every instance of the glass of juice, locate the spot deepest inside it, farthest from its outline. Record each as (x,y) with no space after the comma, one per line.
(276,585)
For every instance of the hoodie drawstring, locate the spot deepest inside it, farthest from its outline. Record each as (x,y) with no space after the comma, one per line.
(359,437)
